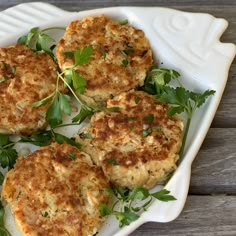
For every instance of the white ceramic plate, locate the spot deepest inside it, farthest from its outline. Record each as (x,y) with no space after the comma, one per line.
(187,42)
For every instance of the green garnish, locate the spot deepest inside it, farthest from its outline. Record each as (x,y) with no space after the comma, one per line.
(103,51)
(3,230)
(149,118)
(9,71)
(39,138)
(83,114)
(86,135)
(132,203)
(126,52)
(156,127)
(2,79)
(180,99)
(45,214)
(60,138)
(71,155)
(112,161)
(13,70)
(131,118)
(146,132)
(1,178)
(83,56)
(60,103)
(69,54)
(8,154)
(136,100)
(123,22)
(72,77)
(125,62)
(38,40)
(113,109)
(80,192)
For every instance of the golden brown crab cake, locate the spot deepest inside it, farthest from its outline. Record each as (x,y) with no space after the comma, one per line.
(25,77)
(56,191)
(120,60)
(137,146)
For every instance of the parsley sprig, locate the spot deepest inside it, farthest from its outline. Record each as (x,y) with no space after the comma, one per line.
(180,99)
(132,203)
(37,40)
(76,84)
(71,75)
(45,137)
(8,154)
(60,103)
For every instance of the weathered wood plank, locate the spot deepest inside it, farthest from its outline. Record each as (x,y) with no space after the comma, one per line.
(202,216)
(214,169)
(95,3)
(226,113)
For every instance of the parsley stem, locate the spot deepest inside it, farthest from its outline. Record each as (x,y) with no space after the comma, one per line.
(180,84)
(185,137)
(53,28)
(52,131)
(72,91)
(10,145)
(147,203)
(130,204)
(113,207)
(67,124)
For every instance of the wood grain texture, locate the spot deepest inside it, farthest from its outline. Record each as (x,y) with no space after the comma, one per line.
(211,206)
(226,113)
(88,4)
(202,216)
(214,169)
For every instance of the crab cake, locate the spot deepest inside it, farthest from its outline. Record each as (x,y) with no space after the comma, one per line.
(56,191)
(120,60)
(25,77)
(137,146)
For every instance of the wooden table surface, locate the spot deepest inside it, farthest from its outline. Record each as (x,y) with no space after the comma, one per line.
(211,205)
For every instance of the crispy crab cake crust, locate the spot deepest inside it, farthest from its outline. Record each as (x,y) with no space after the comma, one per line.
(26,77)
(105,73)
(137,146)
(56,191)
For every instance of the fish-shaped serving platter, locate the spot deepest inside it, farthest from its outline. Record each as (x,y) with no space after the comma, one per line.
(187,42)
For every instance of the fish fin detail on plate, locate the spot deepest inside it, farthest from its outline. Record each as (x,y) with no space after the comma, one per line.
(27,15)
